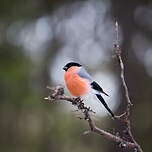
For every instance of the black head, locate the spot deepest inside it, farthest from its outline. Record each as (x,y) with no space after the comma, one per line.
(70,64)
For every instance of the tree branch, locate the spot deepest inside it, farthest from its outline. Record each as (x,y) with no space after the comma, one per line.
(58,94)
(117,51)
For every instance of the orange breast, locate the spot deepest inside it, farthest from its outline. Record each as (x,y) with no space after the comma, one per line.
(76,85)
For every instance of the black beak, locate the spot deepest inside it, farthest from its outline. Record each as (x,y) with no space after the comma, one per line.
(65,68)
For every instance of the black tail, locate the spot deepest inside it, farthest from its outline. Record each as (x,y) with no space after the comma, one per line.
(105,105)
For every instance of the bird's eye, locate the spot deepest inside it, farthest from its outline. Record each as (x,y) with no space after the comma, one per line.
(65,68)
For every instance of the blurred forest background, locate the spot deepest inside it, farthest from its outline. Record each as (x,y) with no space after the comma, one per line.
(38,37)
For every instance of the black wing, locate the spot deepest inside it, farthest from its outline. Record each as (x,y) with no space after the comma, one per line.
(98,88)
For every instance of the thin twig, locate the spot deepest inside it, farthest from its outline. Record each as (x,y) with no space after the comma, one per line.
(129,104)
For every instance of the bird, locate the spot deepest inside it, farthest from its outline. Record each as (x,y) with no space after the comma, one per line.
(80,83)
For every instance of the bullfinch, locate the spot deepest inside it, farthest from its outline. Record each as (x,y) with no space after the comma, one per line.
(79,83)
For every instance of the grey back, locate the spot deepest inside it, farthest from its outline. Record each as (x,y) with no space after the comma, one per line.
(84,74)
